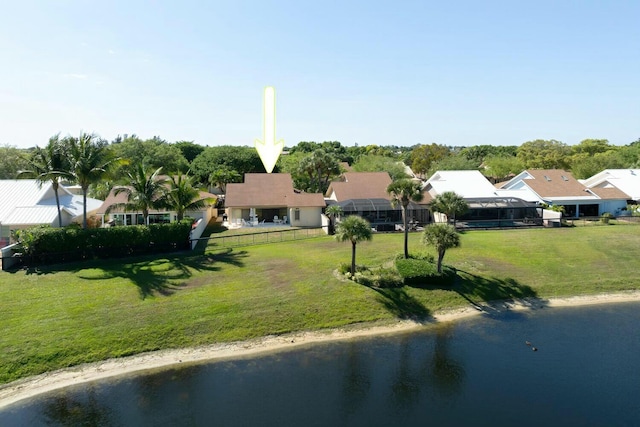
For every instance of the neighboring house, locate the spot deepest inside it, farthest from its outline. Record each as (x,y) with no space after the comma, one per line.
(365,194)
(118,216)
(559,187)
(625,180)
(25,203)
(488,206)
(270,197)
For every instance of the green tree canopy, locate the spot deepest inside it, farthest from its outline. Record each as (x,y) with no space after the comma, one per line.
(189,149)
(442,237)
(403,192)
(354,229)
(500,168)
(314,172)
(240,159)
(424,155)
(376,163)
(12,161)
(153,152)
(543,154)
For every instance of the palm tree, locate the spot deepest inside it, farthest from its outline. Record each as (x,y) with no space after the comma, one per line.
(332,212)
(403,192)
(49,164)
(450,204)
(354,229)
(144,191)
(183,196)
(90,162)
(442,237)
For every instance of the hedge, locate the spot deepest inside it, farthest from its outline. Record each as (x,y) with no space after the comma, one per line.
(44,244)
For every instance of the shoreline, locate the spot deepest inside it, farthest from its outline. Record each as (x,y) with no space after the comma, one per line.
(16,391)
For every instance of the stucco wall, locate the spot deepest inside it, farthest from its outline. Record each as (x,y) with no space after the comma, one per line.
(309,217)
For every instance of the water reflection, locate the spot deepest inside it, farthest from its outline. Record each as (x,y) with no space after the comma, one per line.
(76,410)
(586,373)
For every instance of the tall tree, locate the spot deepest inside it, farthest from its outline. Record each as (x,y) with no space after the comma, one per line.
(89,162)
(189,149)
(403,192)
(183,196)
(442,237)
(316,171)
(450,204)
(543,154)
(354,229)
(423,156)
(144,190)
(49,164)
(240,159)
(223,175)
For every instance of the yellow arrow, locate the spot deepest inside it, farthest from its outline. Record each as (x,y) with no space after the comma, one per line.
(268,149)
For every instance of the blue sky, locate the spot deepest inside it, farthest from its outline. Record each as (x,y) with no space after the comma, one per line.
(451,72)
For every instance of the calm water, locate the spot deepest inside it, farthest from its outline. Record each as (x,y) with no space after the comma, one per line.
(477,372)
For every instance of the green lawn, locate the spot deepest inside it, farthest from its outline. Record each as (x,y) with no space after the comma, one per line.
(65,315)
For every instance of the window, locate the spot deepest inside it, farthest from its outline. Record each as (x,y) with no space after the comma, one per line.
(296,214)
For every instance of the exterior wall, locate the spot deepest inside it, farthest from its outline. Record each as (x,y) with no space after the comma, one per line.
(614,207)
(309,217)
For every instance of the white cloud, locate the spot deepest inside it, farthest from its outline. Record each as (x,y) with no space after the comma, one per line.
(111,52)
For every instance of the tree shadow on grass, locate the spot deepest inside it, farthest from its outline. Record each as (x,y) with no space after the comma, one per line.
(402,305)
(163,275)
(479,291)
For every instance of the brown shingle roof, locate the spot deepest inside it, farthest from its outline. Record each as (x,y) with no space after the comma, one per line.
(555,183)
(269,190)
(610,193)
(361,185)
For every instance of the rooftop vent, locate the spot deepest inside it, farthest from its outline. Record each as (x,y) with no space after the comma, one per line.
(547,178)
(565,178)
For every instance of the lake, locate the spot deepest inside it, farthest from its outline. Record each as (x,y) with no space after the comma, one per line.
(477,371)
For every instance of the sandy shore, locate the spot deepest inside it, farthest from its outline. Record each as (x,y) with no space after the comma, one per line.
(32,386)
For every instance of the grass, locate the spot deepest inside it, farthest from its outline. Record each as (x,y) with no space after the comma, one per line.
(60,316)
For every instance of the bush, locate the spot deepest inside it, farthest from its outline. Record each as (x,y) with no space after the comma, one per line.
(605,217)
(418,272)
(44,244)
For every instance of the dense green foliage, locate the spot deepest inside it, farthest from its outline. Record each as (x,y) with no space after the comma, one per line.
(421,272)
(45,244)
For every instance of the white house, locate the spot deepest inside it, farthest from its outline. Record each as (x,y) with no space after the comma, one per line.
(559,187)
(25,203)
(625,180)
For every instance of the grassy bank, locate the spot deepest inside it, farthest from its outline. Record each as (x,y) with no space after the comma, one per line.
(62,316)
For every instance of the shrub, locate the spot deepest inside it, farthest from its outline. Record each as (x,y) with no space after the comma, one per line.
(605,217)
(46,244)
(418,272)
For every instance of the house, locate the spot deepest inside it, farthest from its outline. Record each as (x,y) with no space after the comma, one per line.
(488,206)
(610,180)
(25,203)
(118,216)
(365,194)
(270,197)
(559,187)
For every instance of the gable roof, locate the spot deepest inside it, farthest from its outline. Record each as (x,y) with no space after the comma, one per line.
(558,184)
(269,190)
(360,185)
(625,180)
(123,197)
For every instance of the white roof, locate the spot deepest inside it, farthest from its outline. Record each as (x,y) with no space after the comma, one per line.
(466,183)
(626,180)
(25,201)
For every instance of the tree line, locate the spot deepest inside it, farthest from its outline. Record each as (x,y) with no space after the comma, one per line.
(314,165)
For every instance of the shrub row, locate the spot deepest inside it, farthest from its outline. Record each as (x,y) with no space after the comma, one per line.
(424,272)
(44,244)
